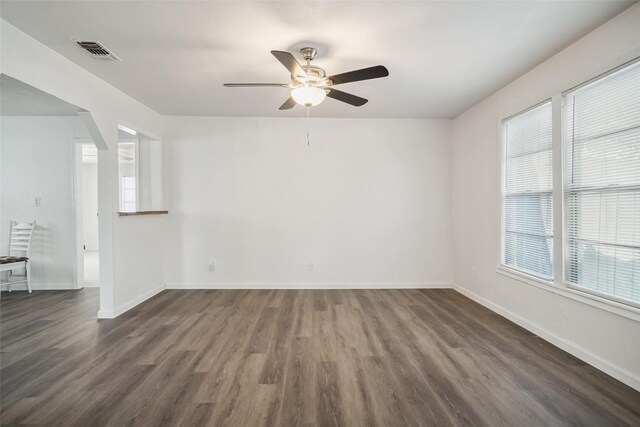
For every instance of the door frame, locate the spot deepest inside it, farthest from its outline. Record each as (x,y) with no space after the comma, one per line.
(78,213)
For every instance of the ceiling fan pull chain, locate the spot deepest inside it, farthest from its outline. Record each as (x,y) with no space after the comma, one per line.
(308,122)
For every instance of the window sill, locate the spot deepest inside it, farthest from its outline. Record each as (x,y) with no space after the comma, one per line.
(611,306)
(143,213)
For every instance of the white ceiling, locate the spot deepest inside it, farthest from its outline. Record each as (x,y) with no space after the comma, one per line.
(20,99)
(443,57)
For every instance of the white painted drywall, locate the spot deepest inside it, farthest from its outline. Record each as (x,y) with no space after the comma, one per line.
(368,202)
(37,161)
(24,58)
(609,341)
(90,205)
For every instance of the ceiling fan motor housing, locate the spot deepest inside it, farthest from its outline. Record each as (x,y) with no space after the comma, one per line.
(314,75)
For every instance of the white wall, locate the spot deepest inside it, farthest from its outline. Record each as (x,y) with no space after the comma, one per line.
(603,338)
(37,161)
(90,205)
(367,202)
(121,240)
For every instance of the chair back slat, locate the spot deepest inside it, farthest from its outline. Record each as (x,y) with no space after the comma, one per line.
(20,241)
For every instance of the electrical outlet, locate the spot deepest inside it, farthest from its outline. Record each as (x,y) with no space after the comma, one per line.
(212,266)
(312,266)
(37,201)
(474,271)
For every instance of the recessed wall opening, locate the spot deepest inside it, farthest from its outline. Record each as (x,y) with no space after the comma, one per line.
(49,178)
(140,172)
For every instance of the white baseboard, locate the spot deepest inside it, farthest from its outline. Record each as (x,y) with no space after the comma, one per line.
(41,287)
(581,353)
(112,314)
(91,285)
(108,314)
(268,285)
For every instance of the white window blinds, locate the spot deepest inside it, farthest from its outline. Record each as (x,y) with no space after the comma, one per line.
(527,204)
(602,185)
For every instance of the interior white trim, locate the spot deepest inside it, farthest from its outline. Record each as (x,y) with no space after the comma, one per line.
(108,314)
(268,285)
(580,352)
(593,300)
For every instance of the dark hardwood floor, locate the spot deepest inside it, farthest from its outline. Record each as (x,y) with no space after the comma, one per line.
(287,358)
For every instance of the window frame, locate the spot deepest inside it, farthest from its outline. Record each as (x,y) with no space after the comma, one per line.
(565,194)
(135,142)
(123,194)
(557,284)
(503,194)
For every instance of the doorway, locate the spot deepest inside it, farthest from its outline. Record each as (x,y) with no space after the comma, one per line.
(86,191)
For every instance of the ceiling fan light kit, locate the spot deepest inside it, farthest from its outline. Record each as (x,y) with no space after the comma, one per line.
(308,96)
(309,83)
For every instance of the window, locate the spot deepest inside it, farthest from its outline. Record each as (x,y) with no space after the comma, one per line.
(527,235)
(128,173)
(128,193)
(601,129)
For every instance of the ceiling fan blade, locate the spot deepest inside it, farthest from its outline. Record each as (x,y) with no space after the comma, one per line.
(289,62)
(256,85)
(356,101)
(357,75)
(288,104)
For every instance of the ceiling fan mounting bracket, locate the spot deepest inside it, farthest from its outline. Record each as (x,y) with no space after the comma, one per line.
(308,53)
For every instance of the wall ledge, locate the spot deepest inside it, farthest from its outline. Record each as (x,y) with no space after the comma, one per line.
(143,213)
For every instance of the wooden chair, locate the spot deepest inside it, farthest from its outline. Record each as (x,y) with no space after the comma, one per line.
(19,248)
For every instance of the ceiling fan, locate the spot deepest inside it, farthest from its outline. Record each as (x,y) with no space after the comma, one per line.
(310,84)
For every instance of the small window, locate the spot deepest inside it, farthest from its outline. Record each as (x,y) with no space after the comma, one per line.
(602,185)
(128,173)
(128,192)
(527,235)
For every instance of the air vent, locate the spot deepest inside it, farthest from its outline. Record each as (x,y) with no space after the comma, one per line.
(97,50)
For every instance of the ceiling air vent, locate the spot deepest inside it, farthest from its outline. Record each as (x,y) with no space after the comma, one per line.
(97,50)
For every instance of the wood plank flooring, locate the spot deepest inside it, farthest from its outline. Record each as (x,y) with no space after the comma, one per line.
(291,358)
